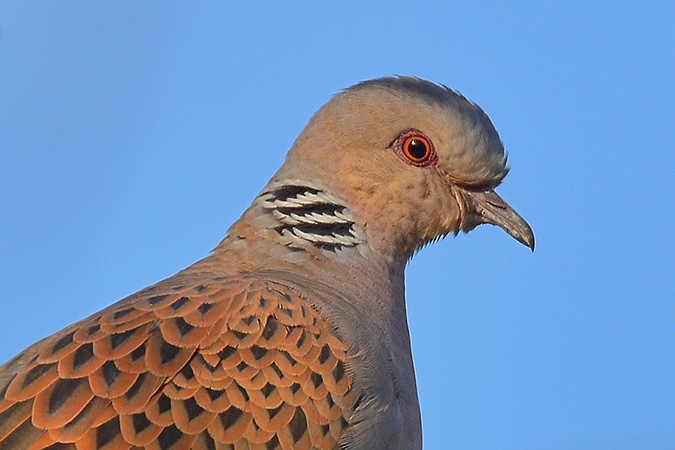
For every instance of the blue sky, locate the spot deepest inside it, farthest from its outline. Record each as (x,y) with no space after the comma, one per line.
(131,136)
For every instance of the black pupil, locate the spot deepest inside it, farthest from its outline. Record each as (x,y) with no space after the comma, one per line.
(417,149)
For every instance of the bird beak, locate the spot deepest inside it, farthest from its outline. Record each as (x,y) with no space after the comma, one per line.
(488,207)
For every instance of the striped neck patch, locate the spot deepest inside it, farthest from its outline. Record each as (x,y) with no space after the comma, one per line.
(310,216)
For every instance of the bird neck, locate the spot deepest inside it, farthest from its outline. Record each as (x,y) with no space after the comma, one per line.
(303,236)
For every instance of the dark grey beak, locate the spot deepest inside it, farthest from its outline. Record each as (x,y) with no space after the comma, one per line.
(488,207)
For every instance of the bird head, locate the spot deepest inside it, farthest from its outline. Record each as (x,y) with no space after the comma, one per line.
(411,160)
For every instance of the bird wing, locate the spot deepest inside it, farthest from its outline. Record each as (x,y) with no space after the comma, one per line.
(233,362)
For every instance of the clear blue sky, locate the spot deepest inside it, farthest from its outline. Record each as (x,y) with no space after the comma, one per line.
(131,136)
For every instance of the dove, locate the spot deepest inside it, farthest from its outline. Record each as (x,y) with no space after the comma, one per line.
(292,333)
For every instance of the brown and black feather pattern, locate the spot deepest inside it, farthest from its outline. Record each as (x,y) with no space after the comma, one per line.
(233,363)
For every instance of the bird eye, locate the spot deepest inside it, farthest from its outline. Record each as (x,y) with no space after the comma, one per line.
(415,148)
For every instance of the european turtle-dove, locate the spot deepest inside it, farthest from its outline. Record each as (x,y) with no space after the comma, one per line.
(292,333)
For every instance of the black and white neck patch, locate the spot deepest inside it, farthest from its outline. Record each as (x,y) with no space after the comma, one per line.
(310,216)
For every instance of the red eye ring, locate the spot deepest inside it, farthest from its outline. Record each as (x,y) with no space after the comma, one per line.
(415,148)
